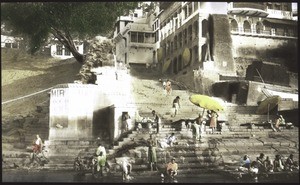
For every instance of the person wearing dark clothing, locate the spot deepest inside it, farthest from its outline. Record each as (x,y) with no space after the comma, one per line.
(290,164)
(176,105)
(260,162)
(156,120)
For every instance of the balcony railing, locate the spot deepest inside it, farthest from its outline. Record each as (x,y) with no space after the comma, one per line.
(247,5)
(263,32)
(279,14)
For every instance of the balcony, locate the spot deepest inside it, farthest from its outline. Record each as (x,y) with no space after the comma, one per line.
(279,14)
(247,9)
(251,5)
(263,33)
(141,45)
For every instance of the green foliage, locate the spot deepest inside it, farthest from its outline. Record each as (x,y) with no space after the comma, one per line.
(71,19)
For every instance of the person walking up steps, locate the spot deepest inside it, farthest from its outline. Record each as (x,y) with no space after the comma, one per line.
(168,87)
(176,105)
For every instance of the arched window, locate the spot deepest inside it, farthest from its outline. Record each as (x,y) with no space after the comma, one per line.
(247,27)
(195,28)
(259,28)
(234,25)
(190,33)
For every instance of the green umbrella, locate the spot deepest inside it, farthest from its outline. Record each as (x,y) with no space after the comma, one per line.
(206,102)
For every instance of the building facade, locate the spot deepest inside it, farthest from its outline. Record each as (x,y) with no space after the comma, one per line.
(135,39)
(182,34)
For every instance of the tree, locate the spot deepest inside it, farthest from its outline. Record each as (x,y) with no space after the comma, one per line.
(66,21)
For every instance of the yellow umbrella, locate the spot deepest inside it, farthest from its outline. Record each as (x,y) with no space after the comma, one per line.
(206,102)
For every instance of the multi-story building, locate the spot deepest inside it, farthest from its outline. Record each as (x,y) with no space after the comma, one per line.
(135,39)
(264,30)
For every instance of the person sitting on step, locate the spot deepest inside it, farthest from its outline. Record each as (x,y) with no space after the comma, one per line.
(172,168)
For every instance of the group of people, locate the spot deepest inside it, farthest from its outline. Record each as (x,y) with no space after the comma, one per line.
(101,163)
(198,125)
(263,164)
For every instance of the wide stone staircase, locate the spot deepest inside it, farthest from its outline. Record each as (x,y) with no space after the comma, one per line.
(219,151)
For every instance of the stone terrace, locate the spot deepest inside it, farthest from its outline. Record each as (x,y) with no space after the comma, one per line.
(221,150)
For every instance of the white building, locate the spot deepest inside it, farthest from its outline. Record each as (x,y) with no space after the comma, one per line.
(57,50)
(10,41)
(135,39)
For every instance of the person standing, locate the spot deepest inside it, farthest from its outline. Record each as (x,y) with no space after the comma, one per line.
(152,143)
(213,121)
(101,158)
(196,130)
(164,84)
(126,169)
(126,121)
(201,122)
(176,105)
(37,145)
(157,120)
(168,87)
(172,168)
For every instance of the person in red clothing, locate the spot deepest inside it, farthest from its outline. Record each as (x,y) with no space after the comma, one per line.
(37,145)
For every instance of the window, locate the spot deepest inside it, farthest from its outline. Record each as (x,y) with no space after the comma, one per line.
(185,36)
(190,32)
(118,27)
(133,37)
(8,45)
(175,42)
(180,39)
(141,37)
(149,38)
(195,6)
(67,52)
(135,15)
(156,36)
(270,6)
(59,49)
(277,7)
(190,9)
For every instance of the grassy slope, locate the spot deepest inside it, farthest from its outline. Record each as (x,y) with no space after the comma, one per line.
(22,74)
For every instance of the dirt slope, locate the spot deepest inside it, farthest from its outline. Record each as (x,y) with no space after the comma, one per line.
(22,74)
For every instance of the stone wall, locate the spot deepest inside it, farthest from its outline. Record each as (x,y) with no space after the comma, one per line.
(268,49)
(20,131)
